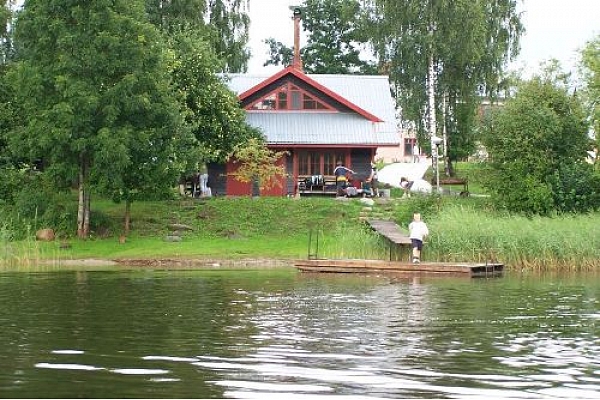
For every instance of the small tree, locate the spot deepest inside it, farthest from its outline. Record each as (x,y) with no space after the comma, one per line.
(258,163)
(537,143)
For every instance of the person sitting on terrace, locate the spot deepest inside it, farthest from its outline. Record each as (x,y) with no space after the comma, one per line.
(405,184)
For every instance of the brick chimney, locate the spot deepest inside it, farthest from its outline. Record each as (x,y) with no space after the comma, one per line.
(297,62)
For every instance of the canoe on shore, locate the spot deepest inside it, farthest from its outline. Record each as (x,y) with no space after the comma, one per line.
(473,270)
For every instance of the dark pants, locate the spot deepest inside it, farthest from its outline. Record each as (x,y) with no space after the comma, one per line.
(340,185)
(416,243)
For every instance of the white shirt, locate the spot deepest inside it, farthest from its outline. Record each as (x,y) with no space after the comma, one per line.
(418,230)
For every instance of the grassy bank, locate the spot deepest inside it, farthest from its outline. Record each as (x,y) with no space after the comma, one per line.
(462,229)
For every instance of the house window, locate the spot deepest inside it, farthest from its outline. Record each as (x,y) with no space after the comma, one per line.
(330,160)
(289,97)
(409,145)
(315,163)
(309,163)
(282,100)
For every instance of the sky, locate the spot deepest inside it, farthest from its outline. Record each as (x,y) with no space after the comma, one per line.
(554,29)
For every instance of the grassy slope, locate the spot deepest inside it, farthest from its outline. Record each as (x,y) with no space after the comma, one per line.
(221,228)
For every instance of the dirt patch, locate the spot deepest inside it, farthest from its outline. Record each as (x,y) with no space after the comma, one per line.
(180,263)
(89,262)
(204,263)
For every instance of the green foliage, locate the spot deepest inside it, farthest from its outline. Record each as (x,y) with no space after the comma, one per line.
(94,84)
(576,188)
(34,205)
(335,40)
(211,110)
(12,180)
(590,72)
(468,41)
(537,142)
(222,24)
(9,117)
(231,33)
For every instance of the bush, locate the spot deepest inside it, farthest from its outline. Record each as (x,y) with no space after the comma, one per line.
(576,188)
(11,182)
(536,143)
(44,208)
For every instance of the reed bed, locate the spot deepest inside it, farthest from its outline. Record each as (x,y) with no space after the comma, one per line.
(565,241)
(22,253)
(470,234)
(349,240)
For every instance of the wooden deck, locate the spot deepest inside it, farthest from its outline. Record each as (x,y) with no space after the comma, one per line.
(400,244)
(390,230)
(473,270)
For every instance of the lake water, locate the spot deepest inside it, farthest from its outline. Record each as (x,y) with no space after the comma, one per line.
(279,334)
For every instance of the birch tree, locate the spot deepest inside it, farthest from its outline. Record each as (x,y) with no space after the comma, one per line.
(5,18)
(590,72)
(456,49)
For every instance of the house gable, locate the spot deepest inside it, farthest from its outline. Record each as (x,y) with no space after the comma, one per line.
(290,97)
(290,77)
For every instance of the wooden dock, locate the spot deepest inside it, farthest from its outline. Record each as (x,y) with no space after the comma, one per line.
(399,242)
(473,270)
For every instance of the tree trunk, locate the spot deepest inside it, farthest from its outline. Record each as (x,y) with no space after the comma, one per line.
(80,203)
(447,167)
(432,120)
(86,215)
(431,97)
(127,217)
(83,207)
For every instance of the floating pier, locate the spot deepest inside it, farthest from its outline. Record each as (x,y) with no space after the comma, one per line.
(472,270)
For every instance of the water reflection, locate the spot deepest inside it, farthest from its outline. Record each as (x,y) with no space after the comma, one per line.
(279,334)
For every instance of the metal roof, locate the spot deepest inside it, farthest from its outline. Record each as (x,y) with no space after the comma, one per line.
(323,128)
(369,92)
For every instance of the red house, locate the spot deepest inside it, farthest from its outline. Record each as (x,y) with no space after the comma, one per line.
(318,119)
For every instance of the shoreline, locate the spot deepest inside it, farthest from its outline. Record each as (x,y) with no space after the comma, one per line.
(175,263)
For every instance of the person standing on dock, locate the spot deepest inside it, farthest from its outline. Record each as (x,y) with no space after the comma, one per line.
(418,231)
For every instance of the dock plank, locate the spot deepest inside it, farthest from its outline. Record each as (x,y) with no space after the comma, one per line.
(390,230)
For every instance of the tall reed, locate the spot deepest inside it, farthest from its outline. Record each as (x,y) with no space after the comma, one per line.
(6,245)
(351,241)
